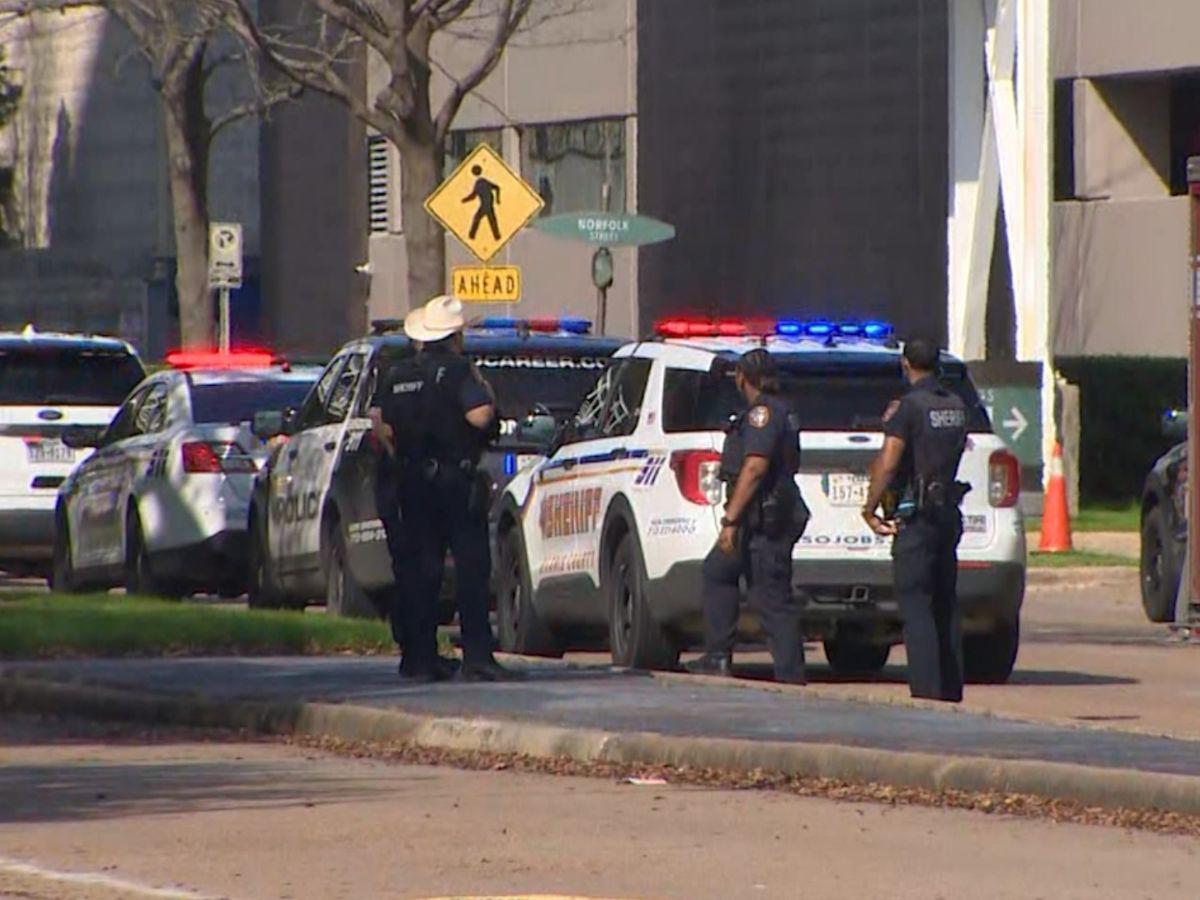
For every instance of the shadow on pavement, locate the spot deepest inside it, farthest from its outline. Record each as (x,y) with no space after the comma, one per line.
(896,675)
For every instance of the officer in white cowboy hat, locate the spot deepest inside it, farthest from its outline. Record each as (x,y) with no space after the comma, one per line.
(441,414)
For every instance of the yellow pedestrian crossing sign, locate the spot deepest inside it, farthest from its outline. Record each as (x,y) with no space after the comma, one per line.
(484,203)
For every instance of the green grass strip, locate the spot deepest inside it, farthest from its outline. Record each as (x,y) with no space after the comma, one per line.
(57,625)
(1125,517)
(1078,558)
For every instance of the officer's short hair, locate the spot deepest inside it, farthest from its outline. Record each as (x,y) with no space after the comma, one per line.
(922,354)
(758,367)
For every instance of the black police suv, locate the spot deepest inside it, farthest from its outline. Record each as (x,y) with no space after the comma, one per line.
(315,529)
(1164,523)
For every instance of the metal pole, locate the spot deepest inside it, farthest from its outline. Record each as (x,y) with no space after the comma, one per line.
(1193,495)
(601,309)
(223,326)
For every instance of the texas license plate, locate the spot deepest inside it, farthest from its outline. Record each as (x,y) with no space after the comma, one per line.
(49,452)
(845,489)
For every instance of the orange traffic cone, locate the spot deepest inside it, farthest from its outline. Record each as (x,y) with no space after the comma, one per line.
(1056,520)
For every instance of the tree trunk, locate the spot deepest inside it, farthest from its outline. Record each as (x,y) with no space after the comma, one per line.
(187,134)
(421,172)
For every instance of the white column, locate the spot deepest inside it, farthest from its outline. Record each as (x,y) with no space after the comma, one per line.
(1034,339)
(974,183)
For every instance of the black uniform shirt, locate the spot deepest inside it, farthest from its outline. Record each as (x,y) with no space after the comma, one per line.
(458,388)
(932,422)
(766,429)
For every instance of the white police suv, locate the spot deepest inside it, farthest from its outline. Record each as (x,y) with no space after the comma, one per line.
(315,525)
(603,541)
(162,505)
(47,383)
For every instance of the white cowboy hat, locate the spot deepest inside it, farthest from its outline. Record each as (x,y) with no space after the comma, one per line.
(439,318)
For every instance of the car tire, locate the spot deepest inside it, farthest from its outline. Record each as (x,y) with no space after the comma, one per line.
(636,641)
(1161,567)
(521,631)
(139,565)
(262,586)
(989,658)
(63,577)
(854,654)
(343,594)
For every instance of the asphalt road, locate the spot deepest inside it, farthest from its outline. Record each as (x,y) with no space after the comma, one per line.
(91,815)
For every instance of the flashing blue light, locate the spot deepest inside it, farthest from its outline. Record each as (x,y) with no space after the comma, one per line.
(510,464)
(819,328)
(877,330)
(789,328)
(573,325)
(499,323)
(849,329)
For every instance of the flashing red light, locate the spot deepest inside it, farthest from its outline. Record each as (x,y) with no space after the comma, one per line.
(215,359)
(686,327)
(542,325)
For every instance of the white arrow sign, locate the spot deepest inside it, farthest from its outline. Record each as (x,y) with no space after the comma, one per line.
(1016,423)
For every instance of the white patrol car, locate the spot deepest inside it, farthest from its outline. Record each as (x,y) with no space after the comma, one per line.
(47,383)
(603,541)
(161,506)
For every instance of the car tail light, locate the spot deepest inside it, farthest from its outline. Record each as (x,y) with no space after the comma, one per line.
(1004,479)
(203,457)
(699,475)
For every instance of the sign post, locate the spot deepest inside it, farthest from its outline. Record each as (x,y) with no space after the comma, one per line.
(224,272)
(1193,495)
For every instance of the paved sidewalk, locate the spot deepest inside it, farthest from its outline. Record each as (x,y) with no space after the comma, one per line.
(617,701)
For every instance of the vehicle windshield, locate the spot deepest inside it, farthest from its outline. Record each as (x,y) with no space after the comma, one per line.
(238,401)
(69,376)
(826,397)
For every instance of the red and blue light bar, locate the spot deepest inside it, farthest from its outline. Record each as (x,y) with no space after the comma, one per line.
(545,325)
(821,329)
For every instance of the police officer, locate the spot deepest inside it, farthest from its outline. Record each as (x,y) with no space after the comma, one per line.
(393,371)
(925,433)
(441,414)
(764,517)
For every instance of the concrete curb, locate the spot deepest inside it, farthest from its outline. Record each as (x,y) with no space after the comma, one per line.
(1089,785)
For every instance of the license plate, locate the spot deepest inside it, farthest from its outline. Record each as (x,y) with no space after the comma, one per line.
(845,489)
(49,452)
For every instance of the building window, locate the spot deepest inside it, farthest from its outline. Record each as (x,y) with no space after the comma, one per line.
(574,164)
(379,184)
(1185,128)
(1064,139)
(460,143)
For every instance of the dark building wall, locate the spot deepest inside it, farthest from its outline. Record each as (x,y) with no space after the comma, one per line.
(799,146)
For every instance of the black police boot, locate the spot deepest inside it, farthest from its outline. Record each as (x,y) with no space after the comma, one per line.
(440,668)
(712,664)
(489,670)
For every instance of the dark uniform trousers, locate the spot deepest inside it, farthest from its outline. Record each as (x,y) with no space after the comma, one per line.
(925,568)
(438,515)
(767,565)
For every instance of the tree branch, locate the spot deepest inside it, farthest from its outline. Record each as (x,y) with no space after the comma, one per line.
(508,21)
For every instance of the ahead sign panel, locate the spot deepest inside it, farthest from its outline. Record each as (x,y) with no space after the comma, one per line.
(225,255)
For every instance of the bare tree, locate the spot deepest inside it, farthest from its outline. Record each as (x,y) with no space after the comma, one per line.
(321,50)
(185,43)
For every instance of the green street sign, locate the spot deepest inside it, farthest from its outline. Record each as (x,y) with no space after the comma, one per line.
(1016,414)
(607,229)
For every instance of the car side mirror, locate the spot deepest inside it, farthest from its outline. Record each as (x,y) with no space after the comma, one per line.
(268,423)
(537,428)
(81,437)
(1175,425)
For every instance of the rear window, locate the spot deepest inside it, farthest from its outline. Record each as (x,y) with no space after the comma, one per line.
(66,376)
(557,381)
(825,397)
(238,401)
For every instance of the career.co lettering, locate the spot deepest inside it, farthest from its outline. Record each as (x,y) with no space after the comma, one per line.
(540,362)
(576,512)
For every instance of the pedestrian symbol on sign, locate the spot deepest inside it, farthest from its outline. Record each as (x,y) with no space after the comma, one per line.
(488,195)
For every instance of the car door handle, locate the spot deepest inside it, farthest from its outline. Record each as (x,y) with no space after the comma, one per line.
(292,453)
(330,446)
(620,453)
(569,463)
